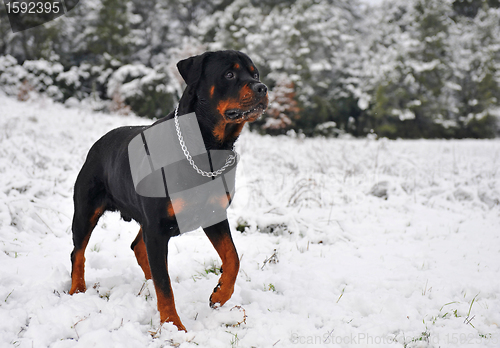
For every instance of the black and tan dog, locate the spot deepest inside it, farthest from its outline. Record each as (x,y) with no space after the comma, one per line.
(224,91)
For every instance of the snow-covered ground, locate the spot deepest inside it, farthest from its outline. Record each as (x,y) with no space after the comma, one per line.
(348,243)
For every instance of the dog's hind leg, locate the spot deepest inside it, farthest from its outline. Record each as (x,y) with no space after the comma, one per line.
(139,248)
(220,236)
(89,206)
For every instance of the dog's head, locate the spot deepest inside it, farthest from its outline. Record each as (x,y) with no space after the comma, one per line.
(226,91)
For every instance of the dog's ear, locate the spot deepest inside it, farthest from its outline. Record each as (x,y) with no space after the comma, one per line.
(192,68)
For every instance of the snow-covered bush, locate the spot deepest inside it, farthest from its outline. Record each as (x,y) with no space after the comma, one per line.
(41,75)
(33,75)
(144,89)
(328,129)
(11,75)
(72,82)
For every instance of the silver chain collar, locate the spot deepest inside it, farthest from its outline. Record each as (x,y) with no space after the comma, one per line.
(229,161)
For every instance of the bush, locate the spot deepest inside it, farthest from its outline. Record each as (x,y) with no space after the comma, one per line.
(143,89)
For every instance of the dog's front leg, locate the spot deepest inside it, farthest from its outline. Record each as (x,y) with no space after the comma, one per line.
(157,248)
(220,236)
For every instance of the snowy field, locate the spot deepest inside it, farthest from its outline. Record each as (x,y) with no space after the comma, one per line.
(346,243)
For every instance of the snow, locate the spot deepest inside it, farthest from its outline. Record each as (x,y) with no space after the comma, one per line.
(349,243)
(44,66)
(71,77)
(117,80)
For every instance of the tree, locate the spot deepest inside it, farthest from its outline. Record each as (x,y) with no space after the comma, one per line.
(110,33)
(410,98)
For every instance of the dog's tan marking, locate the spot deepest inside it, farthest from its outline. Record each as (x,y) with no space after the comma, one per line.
(141,254)
(230,266)
(78,264)
(175,206)
(166,307)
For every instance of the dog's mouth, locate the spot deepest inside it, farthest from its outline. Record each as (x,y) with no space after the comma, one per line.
(245,115)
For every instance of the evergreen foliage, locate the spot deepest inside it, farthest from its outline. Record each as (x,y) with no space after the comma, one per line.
(406,68)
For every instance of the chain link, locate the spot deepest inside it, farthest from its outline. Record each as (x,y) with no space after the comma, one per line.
(229,161)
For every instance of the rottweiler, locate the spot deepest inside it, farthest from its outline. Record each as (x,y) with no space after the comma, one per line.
(224,91)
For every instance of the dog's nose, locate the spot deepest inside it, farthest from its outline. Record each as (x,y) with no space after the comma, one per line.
(260,89)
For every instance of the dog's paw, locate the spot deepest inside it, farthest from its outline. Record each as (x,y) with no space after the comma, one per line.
(77,287)
(174,320)
(214,305)
(220,296)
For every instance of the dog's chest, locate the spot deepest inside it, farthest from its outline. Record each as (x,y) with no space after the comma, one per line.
(160,168)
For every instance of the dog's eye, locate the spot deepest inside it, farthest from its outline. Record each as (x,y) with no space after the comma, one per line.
(230,75)
(256,76)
